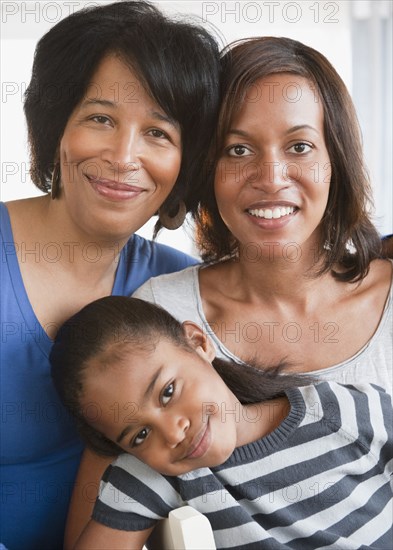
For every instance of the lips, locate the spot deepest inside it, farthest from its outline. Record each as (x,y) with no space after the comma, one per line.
(114,190)
(200,443)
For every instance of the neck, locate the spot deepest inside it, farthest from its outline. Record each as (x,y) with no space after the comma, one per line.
(75,249)
(260,419)
(278,274)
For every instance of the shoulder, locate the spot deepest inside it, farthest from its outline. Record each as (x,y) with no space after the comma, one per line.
(379,279)
(133,496)
(20,209)
(126,468)
(162,258)
(363,411)
(155,258)
(168,286)
(5,226)
(15,211)
(141,259)
(329,391)
(178,293)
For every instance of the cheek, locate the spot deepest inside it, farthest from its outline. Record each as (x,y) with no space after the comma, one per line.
(224,439)
(327,175)
(77,146)
(227,174)
(168,165)
(223,191)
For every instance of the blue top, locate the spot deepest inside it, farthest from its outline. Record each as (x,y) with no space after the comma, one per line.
(40,449)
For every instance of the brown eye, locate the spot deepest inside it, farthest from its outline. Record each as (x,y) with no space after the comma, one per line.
(300,148)
(238,151)
(155,132)
(167,393)
(101,119)
(140,437)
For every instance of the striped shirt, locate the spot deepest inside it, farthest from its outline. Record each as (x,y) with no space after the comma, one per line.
(322,479)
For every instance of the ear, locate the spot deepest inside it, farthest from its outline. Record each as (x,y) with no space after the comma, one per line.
(198,340)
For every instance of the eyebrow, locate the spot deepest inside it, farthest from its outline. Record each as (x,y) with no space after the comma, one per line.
(301,127)
(164,118)
(146,395)
(242,133)
(151,385)
(108,103)
(103,102)
(236,132)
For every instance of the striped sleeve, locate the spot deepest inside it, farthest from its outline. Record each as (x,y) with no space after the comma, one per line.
(133,497)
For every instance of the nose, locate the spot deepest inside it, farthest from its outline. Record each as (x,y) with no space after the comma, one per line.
(123,151)
(270,174)
(175,430)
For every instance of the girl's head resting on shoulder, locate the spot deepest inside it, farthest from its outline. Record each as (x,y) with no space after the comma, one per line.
(253,71)
(177,62)
(140,382)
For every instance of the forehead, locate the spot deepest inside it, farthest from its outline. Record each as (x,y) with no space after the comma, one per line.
(112,67)
(114,80)
(121,365)
(284,93)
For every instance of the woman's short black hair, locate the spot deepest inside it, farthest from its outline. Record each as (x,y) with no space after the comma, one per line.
(177,62)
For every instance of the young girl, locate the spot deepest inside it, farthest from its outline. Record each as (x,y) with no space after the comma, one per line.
(266,461)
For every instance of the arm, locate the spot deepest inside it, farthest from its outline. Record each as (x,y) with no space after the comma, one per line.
(84,495)
(99,537)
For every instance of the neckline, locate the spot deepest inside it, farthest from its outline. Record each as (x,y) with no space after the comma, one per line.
(269,443)
(326,370)
(27,312)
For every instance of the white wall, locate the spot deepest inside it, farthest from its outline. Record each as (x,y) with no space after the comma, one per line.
(322,25)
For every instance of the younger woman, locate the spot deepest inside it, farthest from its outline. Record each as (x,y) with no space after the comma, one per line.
(267,462)
(294,266)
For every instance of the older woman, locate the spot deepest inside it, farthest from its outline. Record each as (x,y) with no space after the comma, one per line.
(119,110)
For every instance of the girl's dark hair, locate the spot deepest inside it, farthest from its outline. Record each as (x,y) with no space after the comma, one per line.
(346,222)
(107,328)
(177,62)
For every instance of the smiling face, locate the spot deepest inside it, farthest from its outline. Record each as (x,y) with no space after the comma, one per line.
(165,406)
(273,176)
(120,154)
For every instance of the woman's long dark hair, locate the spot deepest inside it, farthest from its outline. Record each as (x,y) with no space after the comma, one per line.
(109,327)
(346,222)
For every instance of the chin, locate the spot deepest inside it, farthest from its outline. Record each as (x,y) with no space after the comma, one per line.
(221,457)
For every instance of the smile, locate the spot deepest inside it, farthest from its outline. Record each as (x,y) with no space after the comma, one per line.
(114,190)
(272,213)
(202,443)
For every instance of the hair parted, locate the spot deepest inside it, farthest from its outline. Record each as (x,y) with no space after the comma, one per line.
(176,60)
(108,329)
(346,221)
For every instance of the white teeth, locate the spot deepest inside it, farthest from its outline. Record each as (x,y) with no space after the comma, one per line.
(276,213)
